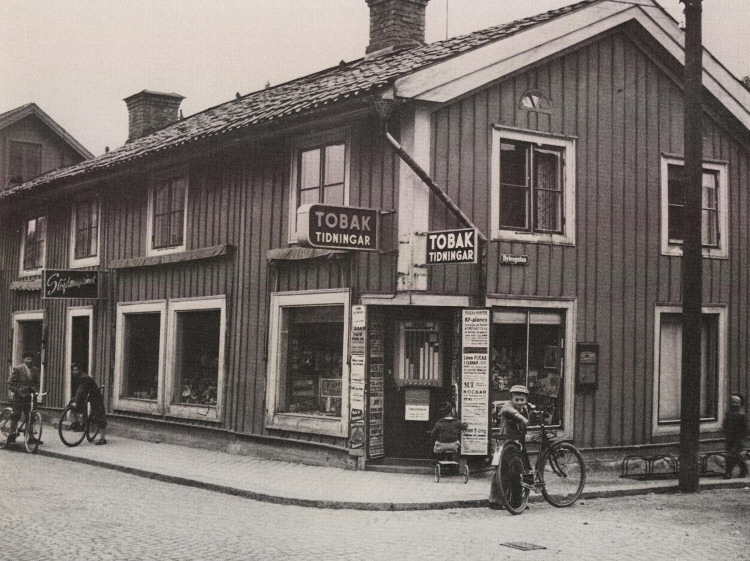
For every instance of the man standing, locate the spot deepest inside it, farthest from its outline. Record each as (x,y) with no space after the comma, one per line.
(88,390)
(22,382)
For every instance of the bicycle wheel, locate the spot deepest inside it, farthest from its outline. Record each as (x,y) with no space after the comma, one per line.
(33,433)
(563,474)
(92,428)
(72,427)
(509,473)
(5,423)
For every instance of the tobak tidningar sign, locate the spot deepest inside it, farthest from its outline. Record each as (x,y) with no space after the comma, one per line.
(452,246)
(337,227)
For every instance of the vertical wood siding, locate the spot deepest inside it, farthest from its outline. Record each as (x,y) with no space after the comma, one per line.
(625,111)
(240,198)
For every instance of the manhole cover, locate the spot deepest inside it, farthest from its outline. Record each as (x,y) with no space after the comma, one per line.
(523,546)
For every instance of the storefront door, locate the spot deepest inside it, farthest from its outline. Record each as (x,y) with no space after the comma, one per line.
(78,343)
(417,384)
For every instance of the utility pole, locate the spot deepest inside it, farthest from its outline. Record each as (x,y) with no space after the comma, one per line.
(692,260)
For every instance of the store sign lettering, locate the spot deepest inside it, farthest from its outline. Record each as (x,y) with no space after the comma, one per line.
(337,227)
(452,246)
(70,284)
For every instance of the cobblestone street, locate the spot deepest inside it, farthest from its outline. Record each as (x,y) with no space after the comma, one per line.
(58,510)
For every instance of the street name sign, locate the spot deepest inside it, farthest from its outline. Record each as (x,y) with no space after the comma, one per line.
(338,227)
(452,246)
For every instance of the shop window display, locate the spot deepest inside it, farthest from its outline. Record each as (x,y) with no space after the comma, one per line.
(526,350)
(314,343)
(197,358)
(141,356)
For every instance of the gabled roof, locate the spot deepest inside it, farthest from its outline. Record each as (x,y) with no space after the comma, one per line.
(430,72)
(15,115)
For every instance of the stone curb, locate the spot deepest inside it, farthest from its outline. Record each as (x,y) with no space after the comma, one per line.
(371,506)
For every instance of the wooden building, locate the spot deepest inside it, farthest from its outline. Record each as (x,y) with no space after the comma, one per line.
(559,136)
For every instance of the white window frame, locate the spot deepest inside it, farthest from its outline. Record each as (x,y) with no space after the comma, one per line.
(73,312)
(658,429)
(721,252)
(569,307)
(36,315)
(95,259)
(340,135)
(127,403)
(300,422)
(200,412)
(38,271)
(150,250)
(568,144)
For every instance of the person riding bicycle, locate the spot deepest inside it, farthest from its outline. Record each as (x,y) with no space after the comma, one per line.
(23,381)
(88,389)
(447,431)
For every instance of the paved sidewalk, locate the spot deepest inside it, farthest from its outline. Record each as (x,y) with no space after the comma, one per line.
(314,486)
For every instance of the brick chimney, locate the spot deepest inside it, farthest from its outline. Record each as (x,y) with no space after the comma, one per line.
(149,111)
(395,24)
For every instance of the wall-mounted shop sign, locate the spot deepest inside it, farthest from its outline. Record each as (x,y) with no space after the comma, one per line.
(508,259)
(338,227)
(71,284)
(452,246)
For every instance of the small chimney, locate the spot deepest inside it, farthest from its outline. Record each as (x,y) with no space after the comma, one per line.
(395,24)
(149,111)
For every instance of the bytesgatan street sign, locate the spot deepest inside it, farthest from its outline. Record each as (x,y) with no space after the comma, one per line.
(338,227)
(452,246)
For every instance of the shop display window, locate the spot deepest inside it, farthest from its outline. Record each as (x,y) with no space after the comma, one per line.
(141,356)
(313,349)
(196,357)
(527,350)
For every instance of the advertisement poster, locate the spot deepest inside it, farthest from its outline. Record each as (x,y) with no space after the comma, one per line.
(358,351)
(417,404)
(475,380)
(375,387)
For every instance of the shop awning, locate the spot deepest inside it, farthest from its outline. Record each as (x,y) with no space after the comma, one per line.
(300,253)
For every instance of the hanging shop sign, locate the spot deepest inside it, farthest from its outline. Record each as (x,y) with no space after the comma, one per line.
(338,227)
(71,284)
(475,380)
(452,246)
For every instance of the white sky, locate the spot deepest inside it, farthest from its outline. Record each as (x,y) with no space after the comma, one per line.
(78,59)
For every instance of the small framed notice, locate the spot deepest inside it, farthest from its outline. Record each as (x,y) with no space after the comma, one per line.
(587,366)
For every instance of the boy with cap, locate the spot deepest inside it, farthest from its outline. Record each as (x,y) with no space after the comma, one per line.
(513,417)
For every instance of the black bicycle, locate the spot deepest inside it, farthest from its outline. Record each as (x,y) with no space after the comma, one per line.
(30,427)
(559,473)
(77,423)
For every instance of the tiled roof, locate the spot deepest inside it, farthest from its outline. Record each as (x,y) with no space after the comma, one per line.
(343,82)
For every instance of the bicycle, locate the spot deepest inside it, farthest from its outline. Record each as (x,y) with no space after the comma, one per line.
(559,473)
(32,436)
(77,423)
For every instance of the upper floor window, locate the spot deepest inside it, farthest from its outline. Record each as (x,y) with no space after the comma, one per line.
(25,161)
(167,204)
(85,233)
(714,207)
(535,100)
(533,196)
(34,246)
(319,174)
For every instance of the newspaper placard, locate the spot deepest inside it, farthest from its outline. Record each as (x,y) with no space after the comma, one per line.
(375,448)
(475,380)
(357,371)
